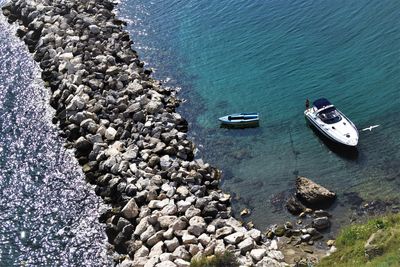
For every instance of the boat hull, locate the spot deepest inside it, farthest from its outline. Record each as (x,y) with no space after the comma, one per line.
(240,120)
(327,135)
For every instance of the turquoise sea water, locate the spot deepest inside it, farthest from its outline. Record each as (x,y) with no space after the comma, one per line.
(269,56)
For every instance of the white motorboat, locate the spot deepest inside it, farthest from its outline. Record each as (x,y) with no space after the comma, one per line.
(332,123)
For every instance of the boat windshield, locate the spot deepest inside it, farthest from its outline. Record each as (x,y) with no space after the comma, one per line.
(330,115)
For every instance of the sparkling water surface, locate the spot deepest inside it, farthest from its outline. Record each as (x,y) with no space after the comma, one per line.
(48,213)
(269,56)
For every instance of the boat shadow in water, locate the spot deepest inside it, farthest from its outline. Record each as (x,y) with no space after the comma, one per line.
(240,126)
(343,151)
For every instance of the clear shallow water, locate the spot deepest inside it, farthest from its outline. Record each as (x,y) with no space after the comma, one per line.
(48,214)
(269,56)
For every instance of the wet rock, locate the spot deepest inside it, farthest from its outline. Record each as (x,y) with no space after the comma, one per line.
(313,194)
(294,206)
(321,223)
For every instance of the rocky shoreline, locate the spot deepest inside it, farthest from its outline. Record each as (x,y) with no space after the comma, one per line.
(166,205)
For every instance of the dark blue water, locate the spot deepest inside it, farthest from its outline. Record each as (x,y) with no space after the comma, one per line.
(48,214)
(269,56)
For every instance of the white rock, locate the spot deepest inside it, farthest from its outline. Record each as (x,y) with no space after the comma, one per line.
(141,227)
(234,238)
(246,245)
(268,262)
(66,56)
(275,254)
(255,234)
(140,262)
(170,209)
(191,212)
(183,205)
(94,29)
(166,220)
(220,246)
(183,191)
(143,251)
(157,250)
(188,239)
(110,133)
(166,264)
(148,233)
(210,229)
(158,204)
(258,253)
(166,257)
(182,263)
(273,245)
(204,239)
(152,261)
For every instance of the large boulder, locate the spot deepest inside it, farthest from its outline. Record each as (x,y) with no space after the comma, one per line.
(313,194)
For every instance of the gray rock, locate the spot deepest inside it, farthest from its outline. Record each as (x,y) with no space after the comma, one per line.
(197,225)
(191,212)
(313,193)
(321,223)
(224,231)
(143,251)
(130,210)
(148,233)
(171,244)
(182,253)
(94,29)
(154,239)
(169,234)
(183,206)
(166,221)
(246,245)
(170,209)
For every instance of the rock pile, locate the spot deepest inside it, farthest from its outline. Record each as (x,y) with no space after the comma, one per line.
(132,145)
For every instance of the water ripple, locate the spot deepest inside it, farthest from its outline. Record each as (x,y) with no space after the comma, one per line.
(48,213)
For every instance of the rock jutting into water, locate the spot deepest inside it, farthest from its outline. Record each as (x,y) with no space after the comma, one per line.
(132,145)
(313,194)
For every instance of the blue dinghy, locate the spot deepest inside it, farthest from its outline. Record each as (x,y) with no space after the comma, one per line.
(244,119)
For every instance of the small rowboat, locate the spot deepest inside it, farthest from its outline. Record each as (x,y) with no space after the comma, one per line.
(244,119)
